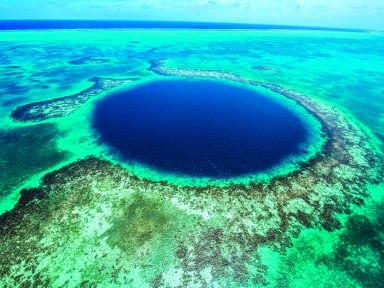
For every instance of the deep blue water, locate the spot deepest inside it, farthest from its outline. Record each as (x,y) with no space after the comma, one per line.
(198,128)
(105,24)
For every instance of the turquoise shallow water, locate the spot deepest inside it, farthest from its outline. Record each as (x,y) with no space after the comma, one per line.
(340,248)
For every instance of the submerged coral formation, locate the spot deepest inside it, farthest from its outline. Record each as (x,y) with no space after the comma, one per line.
(60,107)
(93,223)
(88,60)
(41,155)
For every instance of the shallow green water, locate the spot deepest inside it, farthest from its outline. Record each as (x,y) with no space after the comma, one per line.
(341,70)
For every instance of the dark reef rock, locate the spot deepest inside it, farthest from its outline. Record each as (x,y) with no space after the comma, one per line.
(88,60)
(263,68)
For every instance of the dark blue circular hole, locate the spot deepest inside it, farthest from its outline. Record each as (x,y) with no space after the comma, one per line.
(199,128)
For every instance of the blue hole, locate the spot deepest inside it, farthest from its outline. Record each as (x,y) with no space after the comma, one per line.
(199,128)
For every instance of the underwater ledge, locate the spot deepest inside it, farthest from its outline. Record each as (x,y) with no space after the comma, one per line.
(80,212)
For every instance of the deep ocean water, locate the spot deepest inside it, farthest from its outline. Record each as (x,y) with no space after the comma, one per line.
(191,158)
(199,128)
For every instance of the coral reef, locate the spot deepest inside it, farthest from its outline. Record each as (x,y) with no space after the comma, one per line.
(60,107)
(88,60)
